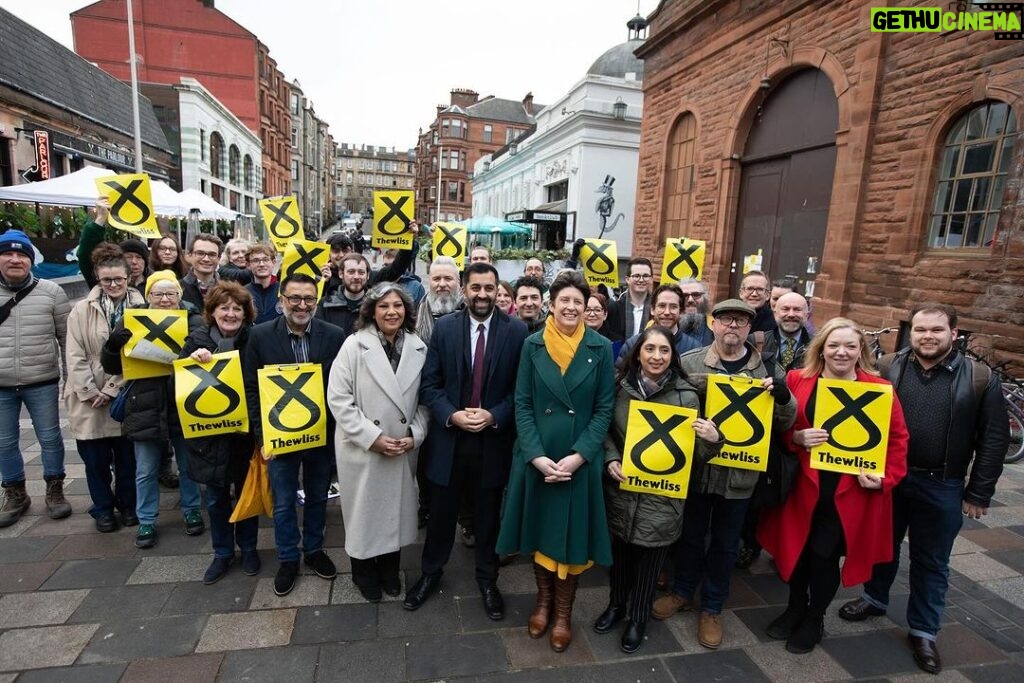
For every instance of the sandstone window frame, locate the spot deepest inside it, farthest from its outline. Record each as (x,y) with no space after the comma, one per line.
(966,198)
(680,177)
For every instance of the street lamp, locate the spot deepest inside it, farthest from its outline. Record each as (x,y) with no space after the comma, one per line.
(619,109)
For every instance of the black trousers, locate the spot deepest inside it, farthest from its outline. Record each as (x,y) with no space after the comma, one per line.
(373,570)
(815,580)
(445,502)
(634,576)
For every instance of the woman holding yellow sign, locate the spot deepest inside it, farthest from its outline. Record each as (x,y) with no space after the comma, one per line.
(828,514)
(644,525)
(222,461)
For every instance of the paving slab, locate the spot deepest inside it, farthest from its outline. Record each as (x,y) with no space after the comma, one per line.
(435,617)
(78,523)
(131,639)
(879,653)
(380,660)
(636,670)
(247,630)
(999,538)
(122,602)
(25,577)
(93,546)
(780,665)
(525,652)
(344,592)
(721,666)
(188,668)
(334,623)
(43,647)
(449,656)
(658,639)
(156,569)
(309,589)
(91,573)
(94,673)
(295,664)
(39,608)
(230,594)
(980,567)
(518,607)
(1003,672)
(19,527)
(959,646)
(1011,589)
(26,548)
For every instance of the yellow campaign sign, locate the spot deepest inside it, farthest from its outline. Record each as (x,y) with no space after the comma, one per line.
(753,261)
(210,396)
(856,417)
(131,203)
(657,457)
(303,256)
(600,260)
(683,258)
(292,408)
(157,338)
(393,210)
(742,410)
(281,216)
(450,240)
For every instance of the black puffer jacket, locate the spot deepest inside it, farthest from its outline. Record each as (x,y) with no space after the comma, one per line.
(646,519)
(150,414)
(224,458)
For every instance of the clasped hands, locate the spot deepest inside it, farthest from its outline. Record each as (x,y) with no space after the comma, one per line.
(389,447)
(472,419)
(562,470)
(809,438)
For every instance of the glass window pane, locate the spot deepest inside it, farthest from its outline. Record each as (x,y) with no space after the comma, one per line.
(975,223)
(995,200)
(937,233)
(978,158)
(1011,122)
(1006,156)
(956,134)
(949,161)
(991,221)
(976,123)
(955,231)
(979,202)
(962,196)
(943,197)
(996,119)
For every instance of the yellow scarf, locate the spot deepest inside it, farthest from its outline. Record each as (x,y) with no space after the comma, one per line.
(562,347)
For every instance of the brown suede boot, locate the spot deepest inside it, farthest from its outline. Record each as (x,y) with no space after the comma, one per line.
(565,595)
(56,504)
(15,502)
(538,623)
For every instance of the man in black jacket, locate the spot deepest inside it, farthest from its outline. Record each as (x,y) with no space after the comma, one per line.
(951,417)
(295,337)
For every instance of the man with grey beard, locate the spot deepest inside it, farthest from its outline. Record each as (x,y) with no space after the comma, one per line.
(694,320)
(443,295)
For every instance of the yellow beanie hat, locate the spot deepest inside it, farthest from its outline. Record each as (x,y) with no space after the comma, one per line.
(162,276)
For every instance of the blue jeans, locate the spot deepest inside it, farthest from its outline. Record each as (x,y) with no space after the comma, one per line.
(284,482)
(147,485)
(724,518)
(42,403)
(223,534)
(99,455)
(931,508)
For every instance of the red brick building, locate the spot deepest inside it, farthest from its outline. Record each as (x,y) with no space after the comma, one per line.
(462,132)
(178,38)
(881,169)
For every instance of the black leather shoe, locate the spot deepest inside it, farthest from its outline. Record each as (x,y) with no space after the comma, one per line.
(612,615)
(321,565)
(421,590)
(925,654)
(494,604)
(284,581)
(106,523)
(859,610)
(128,518)
(633,638)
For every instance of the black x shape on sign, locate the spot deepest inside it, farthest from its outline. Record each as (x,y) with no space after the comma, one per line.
(661,433)
(156,330)
(306,258)
(685,258)
(126,195)
(740,404)
(293,392)
(854,408)
(598,254)
(210,379)
(394,211)
(280,214)
(449,237)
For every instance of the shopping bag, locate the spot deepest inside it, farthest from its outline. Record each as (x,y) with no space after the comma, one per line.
(255,498)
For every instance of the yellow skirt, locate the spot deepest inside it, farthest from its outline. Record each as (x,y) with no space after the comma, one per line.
(561,569)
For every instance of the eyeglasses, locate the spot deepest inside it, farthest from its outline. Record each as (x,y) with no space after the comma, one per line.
(113,281)
(205,254)
(164,295)
(593,311)
(167,247)
(641,277)
(733,321)
(259,261)
(296,300)
(754,290)
(693,295)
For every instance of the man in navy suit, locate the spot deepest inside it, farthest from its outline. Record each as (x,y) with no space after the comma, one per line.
(469,386)
(295,337)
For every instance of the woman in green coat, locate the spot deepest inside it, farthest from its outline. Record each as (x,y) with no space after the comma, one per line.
(645,525)
(565,393)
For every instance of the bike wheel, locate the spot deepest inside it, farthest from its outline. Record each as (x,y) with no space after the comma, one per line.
(1015,450)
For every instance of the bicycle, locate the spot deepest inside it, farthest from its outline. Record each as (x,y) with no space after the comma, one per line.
(875,346)
(1013,395)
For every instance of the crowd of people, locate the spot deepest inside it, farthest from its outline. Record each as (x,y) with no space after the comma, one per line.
(501,408)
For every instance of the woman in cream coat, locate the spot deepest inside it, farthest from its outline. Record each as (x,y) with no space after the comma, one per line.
(373,393)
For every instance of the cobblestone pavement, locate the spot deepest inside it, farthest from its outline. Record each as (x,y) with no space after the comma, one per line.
(77,605)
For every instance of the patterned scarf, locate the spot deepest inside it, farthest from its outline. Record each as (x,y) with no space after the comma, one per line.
(393,350)
(113,311)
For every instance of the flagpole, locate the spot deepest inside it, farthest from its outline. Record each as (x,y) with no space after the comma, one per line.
(135,87)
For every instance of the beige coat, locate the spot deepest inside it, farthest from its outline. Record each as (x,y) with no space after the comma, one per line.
(87,332)
(378,493)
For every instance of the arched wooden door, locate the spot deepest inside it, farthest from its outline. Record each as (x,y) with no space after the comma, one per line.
(788,166)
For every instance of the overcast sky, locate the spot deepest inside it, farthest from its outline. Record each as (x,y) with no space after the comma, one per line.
(375,69)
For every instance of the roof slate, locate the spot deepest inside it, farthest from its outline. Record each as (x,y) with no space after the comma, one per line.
(501,110)
(34,63)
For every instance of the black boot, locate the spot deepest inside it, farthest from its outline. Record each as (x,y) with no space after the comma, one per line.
(612,615)
(807,634)
(783,626)
(633,638)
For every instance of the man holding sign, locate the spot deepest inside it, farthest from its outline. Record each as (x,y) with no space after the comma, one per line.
(955,414)
(719,494)
(296,337)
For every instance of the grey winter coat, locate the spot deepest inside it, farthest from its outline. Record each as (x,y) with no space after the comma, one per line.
(30,336)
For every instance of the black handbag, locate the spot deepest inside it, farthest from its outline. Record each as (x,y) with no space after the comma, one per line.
(775,482)
(119,406)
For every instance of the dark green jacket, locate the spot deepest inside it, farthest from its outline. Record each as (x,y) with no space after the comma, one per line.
(556,416)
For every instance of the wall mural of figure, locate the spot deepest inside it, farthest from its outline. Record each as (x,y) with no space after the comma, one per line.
(605,205)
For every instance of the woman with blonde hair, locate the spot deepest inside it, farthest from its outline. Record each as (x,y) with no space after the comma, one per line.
(829,515)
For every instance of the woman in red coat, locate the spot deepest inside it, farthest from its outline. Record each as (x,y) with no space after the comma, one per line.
(829,515)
